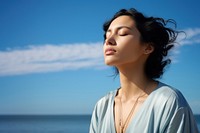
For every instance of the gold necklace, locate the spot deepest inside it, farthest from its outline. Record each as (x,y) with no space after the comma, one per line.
(122,125)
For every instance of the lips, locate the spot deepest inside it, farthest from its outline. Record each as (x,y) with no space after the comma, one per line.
(110,51)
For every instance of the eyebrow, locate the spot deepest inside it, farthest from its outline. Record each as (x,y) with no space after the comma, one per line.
(121,27)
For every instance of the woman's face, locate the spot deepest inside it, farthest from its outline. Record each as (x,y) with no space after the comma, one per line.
(122,45)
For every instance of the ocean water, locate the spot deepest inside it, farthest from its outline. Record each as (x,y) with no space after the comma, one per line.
(49,123)
(44,123)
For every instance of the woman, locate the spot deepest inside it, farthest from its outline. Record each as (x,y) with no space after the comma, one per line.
(137,47)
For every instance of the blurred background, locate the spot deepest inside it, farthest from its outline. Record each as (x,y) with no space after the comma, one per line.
(51,59)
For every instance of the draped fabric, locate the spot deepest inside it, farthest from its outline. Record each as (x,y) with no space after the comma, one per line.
(164,111)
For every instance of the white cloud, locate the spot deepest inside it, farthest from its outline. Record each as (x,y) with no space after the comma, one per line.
(190,37)
(50,57)
(46,58)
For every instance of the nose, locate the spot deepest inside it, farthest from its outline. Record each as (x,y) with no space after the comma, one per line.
(110,41)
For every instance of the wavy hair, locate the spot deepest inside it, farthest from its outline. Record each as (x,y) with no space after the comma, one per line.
(154,31)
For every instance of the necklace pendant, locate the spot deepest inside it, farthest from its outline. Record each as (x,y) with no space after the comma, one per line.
(121,130)
(120,126)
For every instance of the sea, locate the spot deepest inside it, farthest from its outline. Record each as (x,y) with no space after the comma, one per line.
(49,123)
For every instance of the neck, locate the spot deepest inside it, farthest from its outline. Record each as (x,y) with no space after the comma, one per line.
(134,82)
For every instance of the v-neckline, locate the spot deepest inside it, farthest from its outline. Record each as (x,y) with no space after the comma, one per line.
(136,114)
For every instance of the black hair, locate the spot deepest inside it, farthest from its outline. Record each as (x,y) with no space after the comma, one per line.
(153,30)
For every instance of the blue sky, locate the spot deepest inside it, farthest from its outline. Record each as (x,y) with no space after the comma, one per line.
(51,59)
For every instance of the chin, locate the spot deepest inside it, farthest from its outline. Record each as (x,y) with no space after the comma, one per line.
(110,63)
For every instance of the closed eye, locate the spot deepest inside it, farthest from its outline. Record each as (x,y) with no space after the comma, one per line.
(123,34)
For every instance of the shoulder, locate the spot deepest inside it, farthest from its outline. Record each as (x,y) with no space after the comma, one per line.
(103,106)
(170,95)
(102,113)
(105,100)
(175,113)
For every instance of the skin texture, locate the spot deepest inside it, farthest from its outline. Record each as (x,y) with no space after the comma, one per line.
(124,38)
(124,50)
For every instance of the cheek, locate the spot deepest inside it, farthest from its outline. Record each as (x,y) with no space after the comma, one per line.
(127,48)
(127,53)
(130,51)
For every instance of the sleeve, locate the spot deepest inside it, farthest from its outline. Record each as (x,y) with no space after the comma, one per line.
(98,120)
(182,122)
(94,121)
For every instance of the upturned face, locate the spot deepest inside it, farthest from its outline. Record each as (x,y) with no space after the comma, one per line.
(122,45)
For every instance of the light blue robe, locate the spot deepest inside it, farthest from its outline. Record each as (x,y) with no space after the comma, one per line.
(164,111)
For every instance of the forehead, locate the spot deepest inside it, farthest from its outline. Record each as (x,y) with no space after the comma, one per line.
(122,21)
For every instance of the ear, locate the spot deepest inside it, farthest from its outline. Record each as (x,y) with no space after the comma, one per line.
(149,48)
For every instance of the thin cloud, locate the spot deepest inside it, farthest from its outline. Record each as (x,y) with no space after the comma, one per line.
(190,37)
(49,58)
